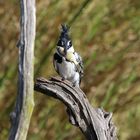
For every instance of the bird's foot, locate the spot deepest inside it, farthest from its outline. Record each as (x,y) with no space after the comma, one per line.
(63,79)
(75,85)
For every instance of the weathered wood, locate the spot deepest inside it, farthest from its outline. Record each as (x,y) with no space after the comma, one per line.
(95,123)
(20,117)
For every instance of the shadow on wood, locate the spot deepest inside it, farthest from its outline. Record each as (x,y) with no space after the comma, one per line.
(95,123)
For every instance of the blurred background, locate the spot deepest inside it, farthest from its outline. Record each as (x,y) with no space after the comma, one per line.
(107,35)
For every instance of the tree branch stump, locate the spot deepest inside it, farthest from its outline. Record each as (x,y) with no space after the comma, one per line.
(95,123)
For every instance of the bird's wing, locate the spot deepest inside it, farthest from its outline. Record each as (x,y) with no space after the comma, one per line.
(56,59)
(79,65)
(77,60)
(54,63)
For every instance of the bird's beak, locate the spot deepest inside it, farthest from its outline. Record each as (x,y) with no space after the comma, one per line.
(65,51)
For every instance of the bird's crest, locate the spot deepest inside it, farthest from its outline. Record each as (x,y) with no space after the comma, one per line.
(64,31)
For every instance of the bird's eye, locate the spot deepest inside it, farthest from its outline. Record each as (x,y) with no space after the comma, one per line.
(70,43)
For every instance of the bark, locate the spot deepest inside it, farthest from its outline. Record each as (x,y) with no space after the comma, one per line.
(20,117)
(95,123)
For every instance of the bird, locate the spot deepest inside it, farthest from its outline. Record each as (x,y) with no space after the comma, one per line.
(66,61)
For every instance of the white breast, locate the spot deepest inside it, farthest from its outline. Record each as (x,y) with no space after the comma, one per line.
(66,69)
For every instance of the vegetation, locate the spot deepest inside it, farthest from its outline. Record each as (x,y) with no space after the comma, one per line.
(106,33)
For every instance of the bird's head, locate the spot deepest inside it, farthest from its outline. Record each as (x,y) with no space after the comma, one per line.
(64,44)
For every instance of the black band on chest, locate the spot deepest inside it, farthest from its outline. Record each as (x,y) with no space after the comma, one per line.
(58,58)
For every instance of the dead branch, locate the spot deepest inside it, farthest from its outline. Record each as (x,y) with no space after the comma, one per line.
(95,123)
(20,117)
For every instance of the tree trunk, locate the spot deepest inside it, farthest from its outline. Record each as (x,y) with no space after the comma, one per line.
(95,123)
(20,117)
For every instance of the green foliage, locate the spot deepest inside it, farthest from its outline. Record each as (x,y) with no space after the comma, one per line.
(106,33)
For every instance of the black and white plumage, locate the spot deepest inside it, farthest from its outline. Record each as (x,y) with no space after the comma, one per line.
(67,62)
